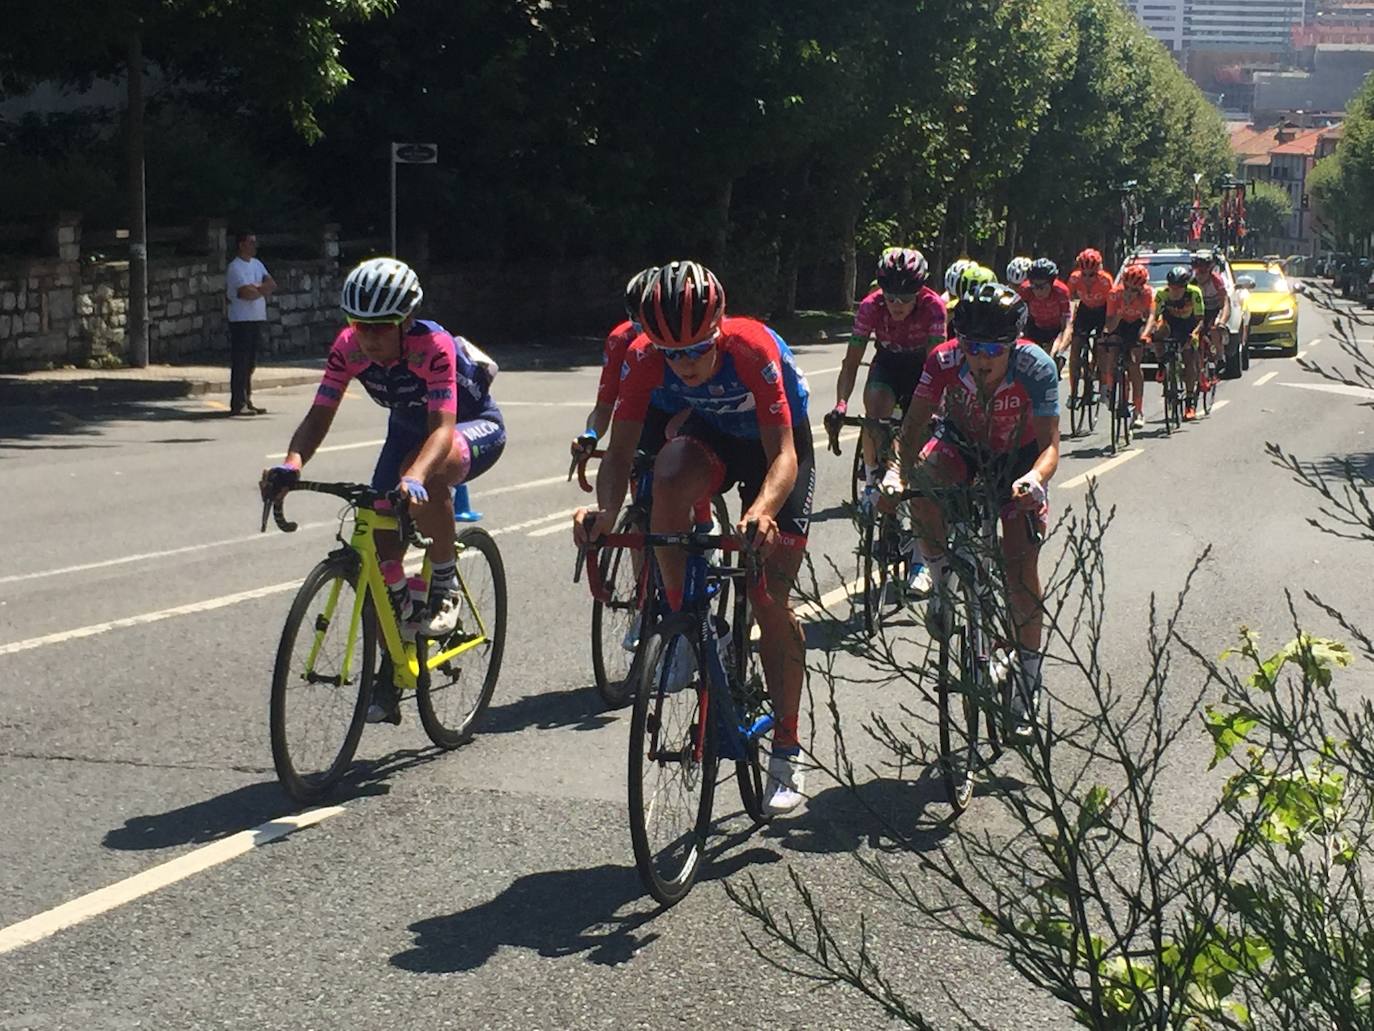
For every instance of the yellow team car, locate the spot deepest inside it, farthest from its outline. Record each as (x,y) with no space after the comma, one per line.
(1272,301)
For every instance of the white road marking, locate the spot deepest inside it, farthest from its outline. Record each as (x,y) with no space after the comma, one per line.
(1220,404)
(335,447)
(93,629)
(212,403)
(1300,355)
(479,493)
(1334,388)
(821,372)
(555,528)
(543,404)
(1264,379)
(1098,470)
(1314,342)
(149,555)
(79,910)
(562,513)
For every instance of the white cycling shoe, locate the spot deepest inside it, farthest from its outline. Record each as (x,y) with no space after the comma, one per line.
(443,616)
(783,789)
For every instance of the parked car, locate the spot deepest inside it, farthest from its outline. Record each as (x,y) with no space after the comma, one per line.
(1272,301)
(1160,260)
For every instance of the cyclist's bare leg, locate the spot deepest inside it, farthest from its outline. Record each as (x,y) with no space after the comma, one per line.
(1024,592)
(1077,344)
(1191,363)
(782,644)
(684,472)
(1137,378)
(1106,369)
(926,517)
(878,404)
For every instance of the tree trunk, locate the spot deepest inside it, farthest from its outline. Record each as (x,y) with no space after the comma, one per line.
(794,228)
(720,239)
(136,333)
(848,257)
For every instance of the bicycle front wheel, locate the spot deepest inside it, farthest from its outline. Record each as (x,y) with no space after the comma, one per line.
(673,762)
(458,673)
(960,689)
(322,682)
(616,623)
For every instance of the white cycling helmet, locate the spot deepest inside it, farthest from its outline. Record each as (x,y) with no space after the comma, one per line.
(953,273)
(381,290)
(1018,270)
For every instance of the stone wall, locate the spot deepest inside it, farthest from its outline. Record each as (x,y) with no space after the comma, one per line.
(60,310)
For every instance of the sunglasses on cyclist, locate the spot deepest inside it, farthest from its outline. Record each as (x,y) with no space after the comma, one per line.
(1036,284)
(892,298)
(392,321)
(988,349)
(691,351)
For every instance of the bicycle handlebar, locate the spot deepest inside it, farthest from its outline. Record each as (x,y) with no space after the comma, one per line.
(833,426)
(579,465)
(689,540)
(356,494)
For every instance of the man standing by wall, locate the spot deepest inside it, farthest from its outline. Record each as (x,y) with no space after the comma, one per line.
(247,284)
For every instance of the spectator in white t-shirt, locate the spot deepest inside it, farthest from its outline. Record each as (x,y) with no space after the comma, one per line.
(247,284)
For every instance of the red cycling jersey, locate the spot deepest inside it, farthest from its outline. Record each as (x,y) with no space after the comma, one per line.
(1002,422)
(1091,291)
(616,345)
(1050,311)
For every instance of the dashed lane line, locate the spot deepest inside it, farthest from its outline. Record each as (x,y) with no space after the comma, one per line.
(1100,468)
(1264,379)
(79,910)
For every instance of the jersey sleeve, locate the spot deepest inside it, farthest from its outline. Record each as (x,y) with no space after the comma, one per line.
(336,372)
(1116,300)
(1074,281)
(758,361)
(440,373)
(641,372)
(617,343)
(1041,382)
(1065,302)
(935,317)
(865,319)
(931,387)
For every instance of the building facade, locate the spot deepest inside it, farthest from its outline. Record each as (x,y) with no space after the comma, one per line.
(1250,25)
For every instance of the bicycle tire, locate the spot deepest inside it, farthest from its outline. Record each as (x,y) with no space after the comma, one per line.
(669,882)
(474,544)
(751,702)
(958,673)
(857,472)
(610,630)
(867,534)
(1206,397)
(310,786)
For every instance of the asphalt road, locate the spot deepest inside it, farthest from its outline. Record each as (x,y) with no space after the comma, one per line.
(493,887)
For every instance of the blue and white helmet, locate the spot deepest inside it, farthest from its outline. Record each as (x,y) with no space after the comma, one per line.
(381,290)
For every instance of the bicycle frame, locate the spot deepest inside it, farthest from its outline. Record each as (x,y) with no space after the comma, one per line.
(403,654)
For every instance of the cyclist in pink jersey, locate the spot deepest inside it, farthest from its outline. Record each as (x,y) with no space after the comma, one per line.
(905,317)
(1000,397)
(443,428)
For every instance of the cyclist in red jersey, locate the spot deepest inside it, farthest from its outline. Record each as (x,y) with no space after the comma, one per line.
(1047,300)
(999,395)
(1216,309)
(748,426)
(1129,309)
(1089,287)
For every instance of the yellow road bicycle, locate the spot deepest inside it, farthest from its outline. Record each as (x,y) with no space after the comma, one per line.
(327,661)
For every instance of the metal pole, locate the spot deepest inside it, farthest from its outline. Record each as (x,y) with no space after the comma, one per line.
(136,346)
(392,151)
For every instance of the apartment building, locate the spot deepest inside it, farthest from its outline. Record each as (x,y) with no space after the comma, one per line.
(1242,25)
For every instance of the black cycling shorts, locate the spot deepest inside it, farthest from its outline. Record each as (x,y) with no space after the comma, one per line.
(1129,332)
(898,371)
(1042,335)
(652,434)
(741,461)
(1087,320)
(1209,318)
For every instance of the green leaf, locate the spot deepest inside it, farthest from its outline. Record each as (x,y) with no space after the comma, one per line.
(1228,729)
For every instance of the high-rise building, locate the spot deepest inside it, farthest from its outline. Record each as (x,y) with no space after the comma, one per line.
(1241,25)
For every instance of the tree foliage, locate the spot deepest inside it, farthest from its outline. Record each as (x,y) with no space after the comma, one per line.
(1267,210)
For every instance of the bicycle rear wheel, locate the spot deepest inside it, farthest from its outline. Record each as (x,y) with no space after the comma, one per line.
(751,704)
(1206,397)
(857,474)
(673,762)
(872,571)
(616,623)
(322,682)
(961,692)
(458,673)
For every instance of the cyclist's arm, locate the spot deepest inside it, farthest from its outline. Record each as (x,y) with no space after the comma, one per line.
(599,419)
(613,479)
(849,368)
(914,433)
(1047,437)
(310,434)
(781,453)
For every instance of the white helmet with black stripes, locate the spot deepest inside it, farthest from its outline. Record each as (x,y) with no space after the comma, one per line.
(381,290)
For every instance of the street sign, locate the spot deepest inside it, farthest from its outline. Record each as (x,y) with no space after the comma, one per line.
(415,153)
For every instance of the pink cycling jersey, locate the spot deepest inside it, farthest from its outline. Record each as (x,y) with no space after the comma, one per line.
(423,379)
(925,324)
(1002,422)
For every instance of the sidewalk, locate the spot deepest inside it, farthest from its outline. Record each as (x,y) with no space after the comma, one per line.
(67,388)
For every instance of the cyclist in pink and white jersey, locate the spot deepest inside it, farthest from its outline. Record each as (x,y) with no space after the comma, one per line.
(906,317)
(999,395)
(444,428)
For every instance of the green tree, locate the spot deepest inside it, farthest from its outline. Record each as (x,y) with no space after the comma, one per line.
(1267,211)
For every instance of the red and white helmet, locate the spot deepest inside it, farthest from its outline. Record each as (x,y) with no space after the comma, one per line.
(682,304)
(902,270)
(1089,261)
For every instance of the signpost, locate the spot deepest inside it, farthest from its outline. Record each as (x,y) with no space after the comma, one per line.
(408,154)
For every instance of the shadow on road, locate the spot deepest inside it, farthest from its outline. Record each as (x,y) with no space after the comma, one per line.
(889,814)
(254,804)
(577,709)
(28,423)
(601,911)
